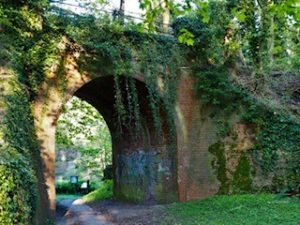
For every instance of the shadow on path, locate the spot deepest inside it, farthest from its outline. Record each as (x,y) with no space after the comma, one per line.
(77,212)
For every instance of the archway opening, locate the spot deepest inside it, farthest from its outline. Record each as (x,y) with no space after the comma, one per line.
(144,160)
(83,150)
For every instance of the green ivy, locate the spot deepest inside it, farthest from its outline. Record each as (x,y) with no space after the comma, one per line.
(17,177)
(125,52)
(277,145)
(277,150)
(16,160)
(30,42)
(215,88)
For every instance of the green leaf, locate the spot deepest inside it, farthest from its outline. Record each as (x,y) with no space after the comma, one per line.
(186,37)
(239,14)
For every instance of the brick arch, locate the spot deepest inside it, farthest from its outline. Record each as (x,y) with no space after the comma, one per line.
(145,169)
(191,175)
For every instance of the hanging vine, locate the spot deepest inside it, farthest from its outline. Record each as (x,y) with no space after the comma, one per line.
(125,53)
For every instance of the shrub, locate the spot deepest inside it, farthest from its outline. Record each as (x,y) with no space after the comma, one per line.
(65,187)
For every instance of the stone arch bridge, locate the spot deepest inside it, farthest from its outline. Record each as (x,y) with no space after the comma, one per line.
(147,166)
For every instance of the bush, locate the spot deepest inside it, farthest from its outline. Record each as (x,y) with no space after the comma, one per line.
(65,187)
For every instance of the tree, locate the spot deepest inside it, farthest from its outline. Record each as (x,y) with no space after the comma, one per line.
(82,129)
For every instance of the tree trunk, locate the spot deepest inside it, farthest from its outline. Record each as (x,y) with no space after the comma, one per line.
(165,16)
(122,11)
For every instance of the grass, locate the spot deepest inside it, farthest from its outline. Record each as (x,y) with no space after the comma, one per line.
(262,209)
(105,191)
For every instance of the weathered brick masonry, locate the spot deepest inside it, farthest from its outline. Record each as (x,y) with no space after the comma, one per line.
(147,167)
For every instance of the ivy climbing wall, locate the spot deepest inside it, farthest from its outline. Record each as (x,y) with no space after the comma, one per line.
(181,129)
(19,154)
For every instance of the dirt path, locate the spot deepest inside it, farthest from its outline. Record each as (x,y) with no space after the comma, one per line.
(70,212)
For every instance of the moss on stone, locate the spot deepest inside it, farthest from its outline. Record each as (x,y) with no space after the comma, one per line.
(130,193)
(219,164)
(162,195)
(242,181)
(159,192)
